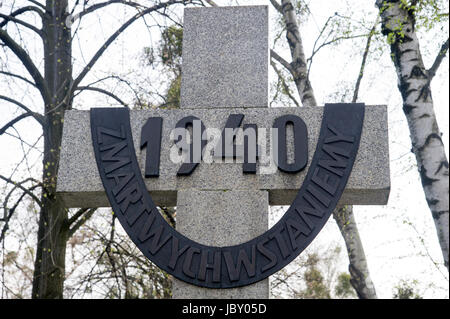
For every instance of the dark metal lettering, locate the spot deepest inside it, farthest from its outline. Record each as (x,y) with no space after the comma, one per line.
(234,271)
(318,194)
(338,154)
(272,257)
(305,220)
(325,182)
(215,266)
(133,215)
(147,232)
(300,143)
(314,210)
(157,242)
(334,152)
(188,261)
(225,147)
(106,131)
(196,147)
(338,136)
(281,243)
(151,138)
(143,234)
(332,166)
(130,195)
(110,155)
(260,257)
(121,179)
(176,253)
(295,229)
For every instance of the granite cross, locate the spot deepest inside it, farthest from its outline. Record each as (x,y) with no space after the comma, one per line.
(220,205)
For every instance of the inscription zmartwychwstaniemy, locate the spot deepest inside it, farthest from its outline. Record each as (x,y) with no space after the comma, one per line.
(239,265)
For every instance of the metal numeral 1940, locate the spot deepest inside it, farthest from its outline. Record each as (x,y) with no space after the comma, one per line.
(151,135)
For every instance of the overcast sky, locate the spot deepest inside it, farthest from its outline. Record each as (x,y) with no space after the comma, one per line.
(390,233)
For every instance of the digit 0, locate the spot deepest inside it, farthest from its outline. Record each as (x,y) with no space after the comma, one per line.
(300,143)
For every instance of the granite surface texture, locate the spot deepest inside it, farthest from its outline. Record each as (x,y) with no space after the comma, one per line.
(222,218)
(80,185)
(225,57)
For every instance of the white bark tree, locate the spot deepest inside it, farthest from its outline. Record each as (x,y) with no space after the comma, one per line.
(399,26)
(359,270)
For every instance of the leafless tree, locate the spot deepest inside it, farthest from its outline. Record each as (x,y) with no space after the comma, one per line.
(298,68)
(56,84)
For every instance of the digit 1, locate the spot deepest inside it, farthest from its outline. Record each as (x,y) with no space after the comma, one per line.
(300,143)
(151,138)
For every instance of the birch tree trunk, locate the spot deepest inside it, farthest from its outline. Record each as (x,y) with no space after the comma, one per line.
(298,69)
(359,271)
(398,24)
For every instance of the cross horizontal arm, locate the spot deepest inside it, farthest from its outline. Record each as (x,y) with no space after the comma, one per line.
(79,181)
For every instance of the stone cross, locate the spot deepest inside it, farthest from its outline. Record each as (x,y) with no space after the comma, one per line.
(225,65)
(224,72)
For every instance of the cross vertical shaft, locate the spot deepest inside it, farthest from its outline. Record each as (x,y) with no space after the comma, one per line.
(225,65)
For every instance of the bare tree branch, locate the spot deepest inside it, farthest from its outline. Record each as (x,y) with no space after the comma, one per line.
(277,6)
(14,121)
(170,214)
(29,179)
(211,3)
(283,82)
(76,215)
(282,61)
(74,218)
(34,197)
(27,62)
(20,11)
(104,4)
(8,18)
(111,39)
(315,51)
(81,220)
(89,88)
(24,158)
(341,38)
(437,62)
(19,77)
(364,59)
(108,252)
(24,142)
(9,212)
(118,78)
(316,41)
(37,3)
(37,116)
